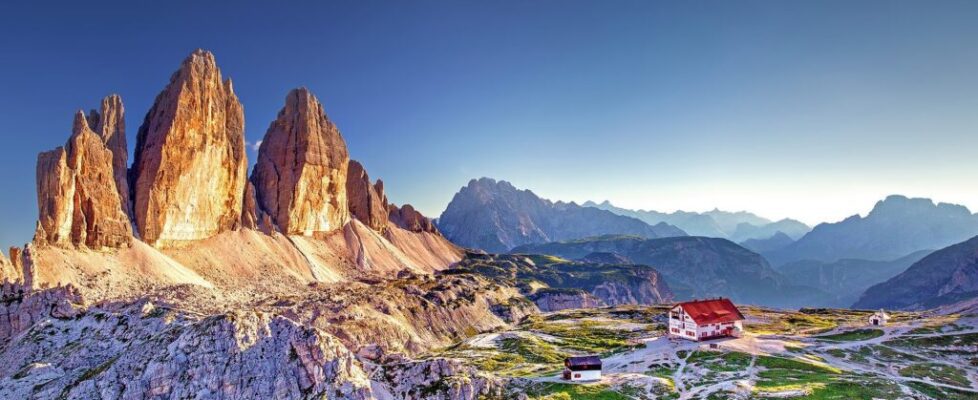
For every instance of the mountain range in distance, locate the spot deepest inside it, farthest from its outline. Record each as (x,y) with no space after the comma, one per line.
(831,265)
(737,226)
(845,280)
(495,216)
(896,227)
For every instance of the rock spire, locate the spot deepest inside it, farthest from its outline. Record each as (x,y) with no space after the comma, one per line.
(188,178)
(301,175)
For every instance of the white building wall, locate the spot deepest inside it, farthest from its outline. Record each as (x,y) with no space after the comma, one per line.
(684,326)
(594,375)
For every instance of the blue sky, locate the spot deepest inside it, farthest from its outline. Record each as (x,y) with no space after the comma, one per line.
(812,110)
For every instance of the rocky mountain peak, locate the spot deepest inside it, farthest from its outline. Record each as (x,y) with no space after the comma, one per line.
(496,216)
(902,205)
(408,218)
(190,165)
(78,201)
(301,174)
(110,124)
(367,202)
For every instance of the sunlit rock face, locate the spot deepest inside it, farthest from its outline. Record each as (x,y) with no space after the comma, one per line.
(190,165)
(301,175)
(408,218)
(367,201)
(110,124)
(77,198)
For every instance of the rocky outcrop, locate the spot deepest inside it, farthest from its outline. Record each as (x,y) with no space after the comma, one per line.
(367,201)
(301,174)
(21,307)
(550,300)
(7,271)
(559,283)
(110,124)
(440,379)
(143,351)
(190,166)
(16,265)
(408,218)
(77,198)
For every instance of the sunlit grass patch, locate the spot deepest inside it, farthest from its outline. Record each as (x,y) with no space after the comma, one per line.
(936,392)
(938,372)
(566,391)
(782,374)
(583,336)
(850,390)
(852,336)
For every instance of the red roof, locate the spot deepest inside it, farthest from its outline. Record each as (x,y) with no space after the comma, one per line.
(712,311)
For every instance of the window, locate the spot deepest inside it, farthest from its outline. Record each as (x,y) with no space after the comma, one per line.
(577,375)
(675,330)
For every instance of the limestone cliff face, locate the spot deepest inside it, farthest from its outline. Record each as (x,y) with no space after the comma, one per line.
(301,174)
(190,165)
(110,124)
(408,218)
(367,201)
(7,271)
(77,197)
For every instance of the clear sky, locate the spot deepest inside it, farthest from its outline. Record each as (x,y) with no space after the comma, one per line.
(812,110)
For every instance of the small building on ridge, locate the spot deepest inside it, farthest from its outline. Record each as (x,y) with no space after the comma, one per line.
(879,318)
(586,368)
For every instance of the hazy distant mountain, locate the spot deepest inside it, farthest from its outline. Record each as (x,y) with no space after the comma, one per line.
(737,226)
(728,221)
(777,241)
(694,267)
(845,280)
(789,227)
(692,223)
(896,226)
(496,216)
(946,276)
